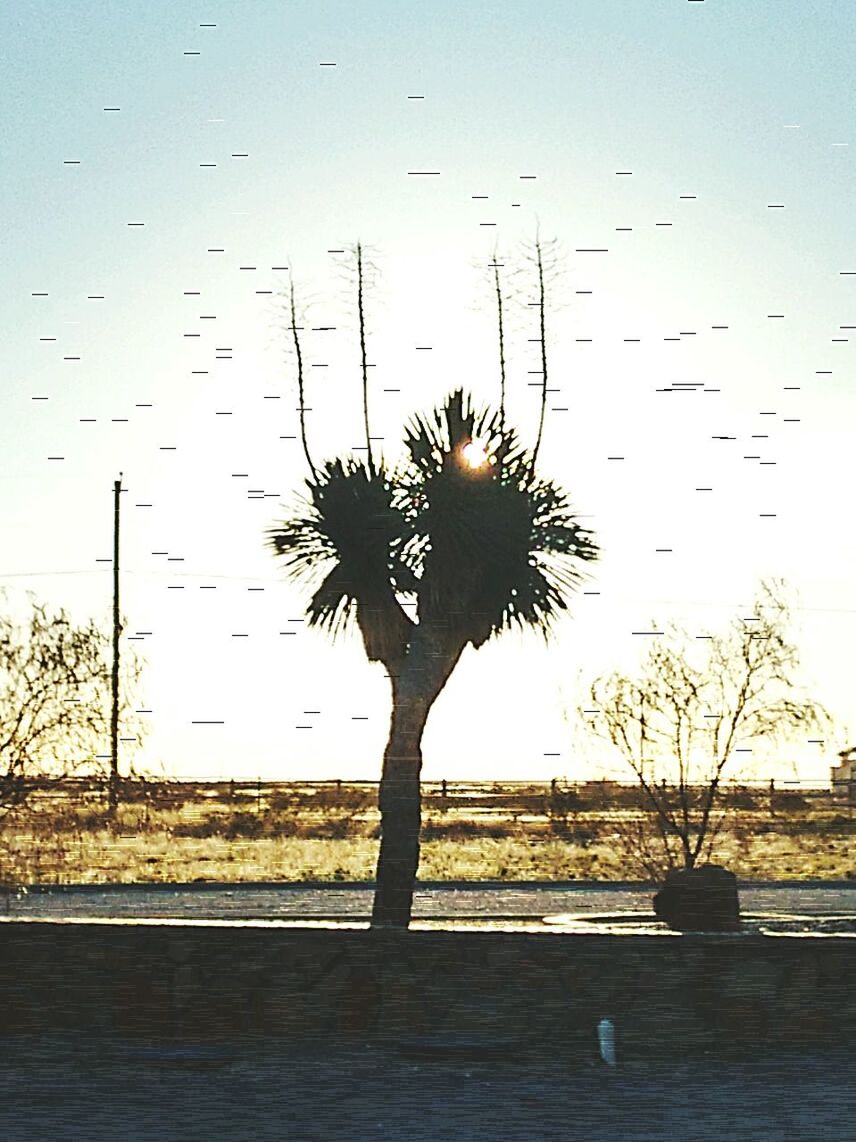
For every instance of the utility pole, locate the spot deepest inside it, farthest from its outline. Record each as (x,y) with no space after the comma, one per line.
(114,714)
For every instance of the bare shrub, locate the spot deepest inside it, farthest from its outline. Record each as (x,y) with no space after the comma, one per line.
(696,701)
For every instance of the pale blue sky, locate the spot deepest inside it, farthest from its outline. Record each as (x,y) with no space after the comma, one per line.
(746,106)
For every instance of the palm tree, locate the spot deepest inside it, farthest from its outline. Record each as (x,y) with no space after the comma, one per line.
(464,531)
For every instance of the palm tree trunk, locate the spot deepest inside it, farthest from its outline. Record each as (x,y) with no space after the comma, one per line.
(422,674)
(400,814)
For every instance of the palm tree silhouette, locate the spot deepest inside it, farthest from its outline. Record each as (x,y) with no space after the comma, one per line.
(465,531)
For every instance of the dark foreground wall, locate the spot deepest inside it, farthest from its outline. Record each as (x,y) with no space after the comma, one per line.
(207,982)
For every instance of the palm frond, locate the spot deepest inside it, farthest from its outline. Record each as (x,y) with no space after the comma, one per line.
(349,517)
(494,546)
(483,548)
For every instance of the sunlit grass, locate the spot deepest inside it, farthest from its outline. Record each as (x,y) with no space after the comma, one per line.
(328,834)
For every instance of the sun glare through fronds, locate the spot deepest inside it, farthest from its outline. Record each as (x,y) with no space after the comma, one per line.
(475,454)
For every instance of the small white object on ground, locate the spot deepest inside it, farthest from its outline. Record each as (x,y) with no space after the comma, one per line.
(606,1041)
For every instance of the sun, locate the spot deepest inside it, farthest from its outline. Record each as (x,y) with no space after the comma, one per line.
(475,455)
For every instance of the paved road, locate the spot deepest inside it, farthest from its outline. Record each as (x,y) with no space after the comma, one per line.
(353,902)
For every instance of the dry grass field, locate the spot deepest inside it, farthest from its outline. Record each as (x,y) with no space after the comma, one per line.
(297,832)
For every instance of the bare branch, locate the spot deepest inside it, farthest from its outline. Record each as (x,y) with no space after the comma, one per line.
(543,259)
(300,393)
(542,326)
(495,265)
(358,254)
(360,274)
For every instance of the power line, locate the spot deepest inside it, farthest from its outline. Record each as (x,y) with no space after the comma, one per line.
(274,579)
(153,574)
(732,606)
(37,574)
(196,575)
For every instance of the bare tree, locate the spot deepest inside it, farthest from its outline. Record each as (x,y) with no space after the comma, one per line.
(696,706)
(54,701)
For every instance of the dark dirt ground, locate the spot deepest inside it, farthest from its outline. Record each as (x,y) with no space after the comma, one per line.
(97,1091)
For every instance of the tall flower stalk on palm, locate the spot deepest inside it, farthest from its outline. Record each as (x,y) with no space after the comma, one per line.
(464,533)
